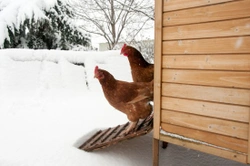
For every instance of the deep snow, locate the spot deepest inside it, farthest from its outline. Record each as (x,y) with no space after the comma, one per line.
(48,107)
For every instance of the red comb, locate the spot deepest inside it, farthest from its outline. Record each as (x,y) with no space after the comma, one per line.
(124,45)
(123,48)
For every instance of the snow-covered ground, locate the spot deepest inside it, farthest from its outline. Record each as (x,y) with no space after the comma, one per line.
(48,107)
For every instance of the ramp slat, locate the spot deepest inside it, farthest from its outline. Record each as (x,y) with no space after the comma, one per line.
(111,136)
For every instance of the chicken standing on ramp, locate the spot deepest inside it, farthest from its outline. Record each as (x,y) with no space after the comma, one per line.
(131,98)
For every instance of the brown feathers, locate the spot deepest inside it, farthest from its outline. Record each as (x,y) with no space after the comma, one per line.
(131,98)
(141,70)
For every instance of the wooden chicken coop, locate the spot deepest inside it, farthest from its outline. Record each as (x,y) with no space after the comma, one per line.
(202,76)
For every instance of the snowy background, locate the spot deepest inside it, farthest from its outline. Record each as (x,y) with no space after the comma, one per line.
(15,12)
(49,106)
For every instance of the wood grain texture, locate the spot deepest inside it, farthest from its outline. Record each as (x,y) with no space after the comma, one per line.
(248,152)
(170,5)
(219,126)
(208,137)
(219,12)
(155,152)
(227,79)
(232,155)
(203,108)
(157,67)
(203,93)
(230,62)
(208,46)
(238,27)
(202,75)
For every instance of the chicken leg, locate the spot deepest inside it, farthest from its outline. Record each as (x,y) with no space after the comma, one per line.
(131,126)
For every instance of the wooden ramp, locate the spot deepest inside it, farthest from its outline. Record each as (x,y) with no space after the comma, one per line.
(111,136)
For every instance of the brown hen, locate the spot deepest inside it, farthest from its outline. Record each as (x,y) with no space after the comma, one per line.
(131,98)
(141,70)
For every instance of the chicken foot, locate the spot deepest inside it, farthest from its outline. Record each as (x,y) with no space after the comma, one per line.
(131,127)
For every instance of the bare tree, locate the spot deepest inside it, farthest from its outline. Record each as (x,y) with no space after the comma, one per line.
(145,8)
(115,20)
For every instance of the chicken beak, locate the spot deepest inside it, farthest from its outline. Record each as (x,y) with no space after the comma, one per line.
(95,75)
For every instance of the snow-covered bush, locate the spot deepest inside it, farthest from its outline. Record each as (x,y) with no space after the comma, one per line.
(39,24)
